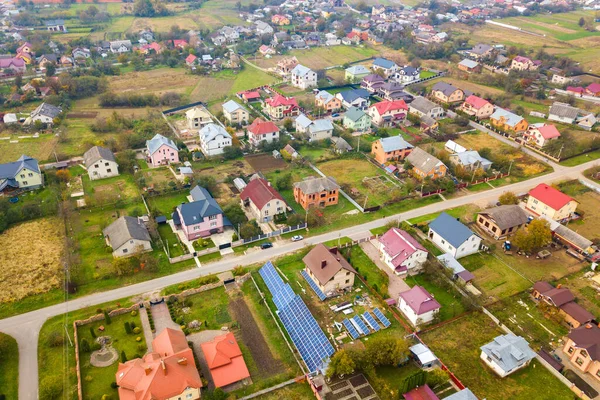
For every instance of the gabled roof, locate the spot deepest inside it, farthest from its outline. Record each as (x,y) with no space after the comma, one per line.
(420,300)
(421,393)
(373,78)
(325,96)
(204,205)
(46,110)
(564,110)
(197,112)
(383,63)
(508,351)
(481,48)
(231,106)
(511,119)
(260,127)
(357,70)
(325,263)
(303,120)
(341,144)
(351,95)
(444,87)
(408,70)
(317,185)
(457,268)
(454,147)
(476,102)
(506,216)
(125,229)
(211,131)
(97,153)
(260,192)
(452,230)
(393,143)
(423,105)
(320,125)
(354,114)
(471,157)
(399,245)
(593,87)
(577,312)
(551,197)
(587,337)
(301,70)
(468,63)
(422,160)
(157,141)
(10,170)
(279,100)
(548,131)
(464,394)
(390,106)
(225,360)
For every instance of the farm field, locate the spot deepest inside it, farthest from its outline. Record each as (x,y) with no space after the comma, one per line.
(321,57)
(473,331)
(9,367)
(589,207)
(120,187)
(35,268)
(40,148)
(482,90)
(450,301)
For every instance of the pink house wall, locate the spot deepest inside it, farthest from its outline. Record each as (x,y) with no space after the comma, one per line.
(201,229)
(163,156)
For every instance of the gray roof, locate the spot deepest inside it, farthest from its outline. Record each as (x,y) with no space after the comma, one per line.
(573,237)
(445,88)
(354,114)
(481,48)
(508,351)
(423,105)
(158,140)
(393,143)
(471,157)
(510,118)
(232,106)
(350,95)
(211,131)
(303,121)
(507,216)
(317,185)
(125,229)
(10,170)
(301,70)
(341,144)
(97,153)
(46,110)
(464,394)
(422,160)
(457,269)
(204,205)
(469,63)
(408,70)
(320,125)
(357,69)
(452,230)
(564,110)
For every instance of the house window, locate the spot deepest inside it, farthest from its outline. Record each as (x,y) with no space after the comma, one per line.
(583,353)
(571,350)
(24,182)
(214,223)
(30,174)
(443,241)
(212,217)
(347,281)
(579,361)
(125,250)
(22,175)
(109,170)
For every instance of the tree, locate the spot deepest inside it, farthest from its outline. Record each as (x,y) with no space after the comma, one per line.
(63,175)
(508,198)
(436,377)
(341,363)
(143,8)
(107,318)
(127,327)
(51,387)
(123,266)
(50,70)
(288,124)
(315,217)
(123,357)
(235,214)
(84,345)
(92,332)
(581,22)
(250,229)
(537,234)
(386,351)
(231,153)
(284,182)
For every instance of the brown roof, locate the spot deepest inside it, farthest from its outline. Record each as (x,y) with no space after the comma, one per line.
(577,312)
(326,262)
(587,337)
(542,286)
(559,296)
(260,192)
(507,216)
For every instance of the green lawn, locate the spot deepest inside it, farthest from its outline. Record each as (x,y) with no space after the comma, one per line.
(426,74)
(450,301)
(299,390)
(171,241)
(581,159)
(209,308)
(375,277)
(9,367)
(102,191)
(249,78)
(457,345)
(166,203)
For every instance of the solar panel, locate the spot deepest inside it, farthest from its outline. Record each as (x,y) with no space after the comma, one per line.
(314,286)
(371,321)
(384,321)
(351,330)
(361,325)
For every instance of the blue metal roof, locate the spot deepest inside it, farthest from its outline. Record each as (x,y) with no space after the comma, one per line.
(452,230)
(383,63)
(393,143)
(10,170)
(204,205)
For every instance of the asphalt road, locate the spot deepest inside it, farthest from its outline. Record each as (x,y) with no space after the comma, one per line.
(25,327)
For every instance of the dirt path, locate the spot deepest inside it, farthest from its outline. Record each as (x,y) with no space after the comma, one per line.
(266,364)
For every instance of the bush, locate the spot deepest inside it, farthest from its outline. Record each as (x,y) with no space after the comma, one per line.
(95,346)
(55,339)
(114,385)
(92,332)
(134,313)
(127,327)
(141,347)
(84,345)
(51,387)
(138,339)
(137,330)
(123,357)
(107,318)
(133,325)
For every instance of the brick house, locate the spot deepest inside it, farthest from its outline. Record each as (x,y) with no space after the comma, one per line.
(316,192)
(391,148)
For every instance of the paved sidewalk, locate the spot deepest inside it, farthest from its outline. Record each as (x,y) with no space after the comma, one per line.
(397,284)
(146,327)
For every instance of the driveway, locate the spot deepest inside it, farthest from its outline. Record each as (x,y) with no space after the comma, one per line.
(162,318)
(397,284)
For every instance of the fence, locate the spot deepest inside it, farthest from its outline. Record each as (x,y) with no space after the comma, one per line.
(172,110)
(346,195)
(275,233)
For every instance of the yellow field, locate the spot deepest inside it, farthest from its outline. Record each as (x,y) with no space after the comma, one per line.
(30,266)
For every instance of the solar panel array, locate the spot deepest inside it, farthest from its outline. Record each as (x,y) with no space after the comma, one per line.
(384,321)
(308,337)
(351,330)
(371,321)
(360,325)
(314,286)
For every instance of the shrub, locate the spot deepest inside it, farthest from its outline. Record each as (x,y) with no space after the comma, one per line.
(92,332)
(107,318)
(95,346)
(127,327)
(88,378)
(137,330)
(55,339)
(138,339)
(141,347)
(181,321)
(133,324)
(51,387)
(134,313)
(114,385)
(84,345)
(99,311)
(123,357)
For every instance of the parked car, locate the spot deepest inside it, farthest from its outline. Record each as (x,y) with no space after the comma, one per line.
(335,115)
(297,238)
(266,245)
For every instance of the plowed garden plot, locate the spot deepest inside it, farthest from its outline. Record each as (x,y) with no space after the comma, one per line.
(265,162)
(266,364)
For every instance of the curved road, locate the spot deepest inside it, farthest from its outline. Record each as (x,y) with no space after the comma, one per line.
(25,327)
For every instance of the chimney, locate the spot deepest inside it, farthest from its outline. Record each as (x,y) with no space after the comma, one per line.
(147,369)
(588,326)
(182,361)
(164,367)
(559,286)
(323,263)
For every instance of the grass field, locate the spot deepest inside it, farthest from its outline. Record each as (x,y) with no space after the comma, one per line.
(31,266)
(450,301)
(321,57)
(40,148)
(120,187)
(9,367)
(463,360)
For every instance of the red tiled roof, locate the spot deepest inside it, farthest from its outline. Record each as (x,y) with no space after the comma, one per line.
(476,101)
(190,59)
(387,106)
(421,393)
(575,89)
(259,127)
(420,300)
(179,43)
(260,192)
(279,100)
(251,95)
(549,131)
(225,360)
(550,196)
(399,245)
(594,87)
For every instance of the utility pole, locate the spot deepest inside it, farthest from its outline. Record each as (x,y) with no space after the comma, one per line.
(560,151)
(366,198)
(510,166)
(358,145)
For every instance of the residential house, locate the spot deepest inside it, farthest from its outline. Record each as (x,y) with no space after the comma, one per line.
(302,122)
(502,221)
(521,63)
(562,112)
(453,237)
(262,28)
(329,270)
(559,79)
(286,65)
(575,91)
(357,120)
(320,129)
(120,46)
(213,139)
(167,371)
(81,53)
(469,66)
(447,93)
(44,113)
(250,96)
(24,52)
(127,236)
(593,89)
(201,217)
(197,117)
(507,354)
(356,73)
(418,305)
(280,20)
(470,160)
(562,299)
(66,62)
(425,165)
(340,146)
(316,192)
(100,163)
(563,234)
(291,151)
(262,131)
(507,121)
(278,107)
(358,98)
(477,107)
(303,77)
(394,91)
(11,66)
(392,148)
(480,51)
(372,83)
(388,113)
(549,202)
(161,151)
(401,252)
(422,392)
(387,67)
(191,60)
(407,74)
(458,271)
(262,200)
(582,348)
(540,134)
(47,59)
(225,360)
(327,101)
(421,106)
(423,356)
(23,174)
(234,113)
(56,25)
(266,50)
